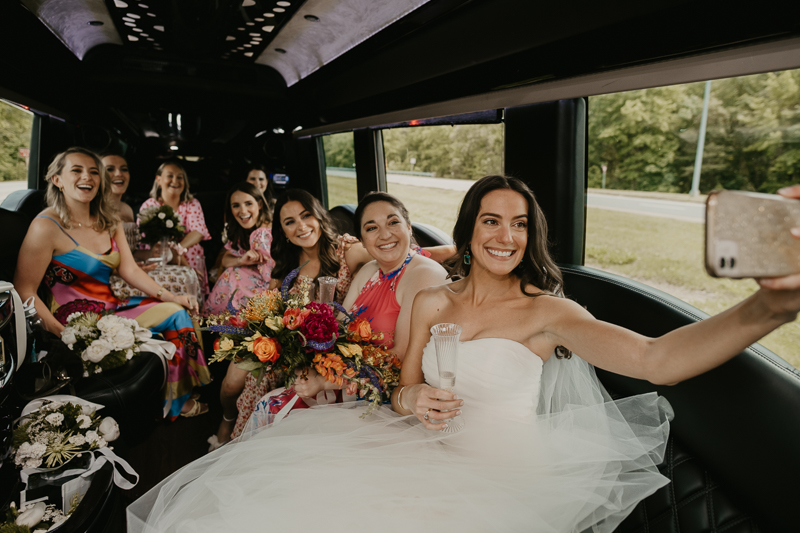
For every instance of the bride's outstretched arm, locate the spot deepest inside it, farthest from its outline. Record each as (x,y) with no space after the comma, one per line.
(413,395)
(680,354)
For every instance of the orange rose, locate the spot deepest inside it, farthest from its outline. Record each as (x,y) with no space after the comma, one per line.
(360,327)
(266,349)
(294,318)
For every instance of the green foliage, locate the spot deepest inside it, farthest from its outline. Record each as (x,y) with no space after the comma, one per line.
(462,152)
(648,138)
(339,150)
(15,133)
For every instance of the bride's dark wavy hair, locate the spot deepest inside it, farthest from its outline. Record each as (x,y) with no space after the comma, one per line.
(537,267)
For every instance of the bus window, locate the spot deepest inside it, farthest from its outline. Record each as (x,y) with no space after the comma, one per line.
(430,168)
(340,168)
(15,143)
(642,222)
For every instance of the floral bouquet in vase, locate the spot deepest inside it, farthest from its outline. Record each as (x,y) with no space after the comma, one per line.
(159,223)
(103,340)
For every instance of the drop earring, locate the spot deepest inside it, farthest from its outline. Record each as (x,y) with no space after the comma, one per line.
(466,257)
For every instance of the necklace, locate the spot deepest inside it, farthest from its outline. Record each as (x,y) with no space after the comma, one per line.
(393,273)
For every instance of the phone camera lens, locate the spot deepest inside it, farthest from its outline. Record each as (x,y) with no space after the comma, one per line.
(722,262)
(732,262)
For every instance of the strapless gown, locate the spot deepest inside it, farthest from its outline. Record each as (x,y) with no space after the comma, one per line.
(514,467)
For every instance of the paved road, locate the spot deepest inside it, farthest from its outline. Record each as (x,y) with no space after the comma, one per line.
(691,211)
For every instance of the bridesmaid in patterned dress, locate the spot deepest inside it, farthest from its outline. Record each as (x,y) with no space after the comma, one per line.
(171,187)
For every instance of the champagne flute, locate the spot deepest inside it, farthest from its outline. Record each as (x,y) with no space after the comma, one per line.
(445,339)
(192,287)
(327,287)
(165,253)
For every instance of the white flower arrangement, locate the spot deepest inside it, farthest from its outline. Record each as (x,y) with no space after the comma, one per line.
(36,517)
(159,222)
(58,432)
(103,341)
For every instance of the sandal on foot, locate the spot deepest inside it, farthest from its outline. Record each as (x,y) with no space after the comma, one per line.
(196,410)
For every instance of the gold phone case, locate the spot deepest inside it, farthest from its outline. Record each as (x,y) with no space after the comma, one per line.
(747,235)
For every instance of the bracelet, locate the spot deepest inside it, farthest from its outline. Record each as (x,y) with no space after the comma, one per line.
(400,396)
(159,293)
(180,249)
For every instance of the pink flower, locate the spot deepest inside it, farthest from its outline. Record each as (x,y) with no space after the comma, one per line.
(320,325)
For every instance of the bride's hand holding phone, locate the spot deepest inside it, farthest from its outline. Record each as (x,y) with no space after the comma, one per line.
(792,281)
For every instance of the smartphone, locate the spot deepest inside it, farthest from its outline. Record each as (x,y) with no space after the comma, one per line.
(747,235)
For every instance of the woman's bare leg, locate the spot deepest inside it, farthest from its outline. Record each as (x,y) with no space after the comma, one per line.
(232,387)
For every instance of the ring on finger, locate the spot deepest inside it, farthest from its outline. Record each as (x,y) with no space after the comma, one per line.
(425,416)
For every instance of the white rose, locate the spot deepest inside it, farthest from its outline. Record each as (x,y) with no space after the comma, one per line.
(32,516)
(73,316)
(170,224)
(97,350)
(55,418)
(162,215)
(92,436)
(68,337)
(109,429)
(37,450)
(121,338)
(83,421)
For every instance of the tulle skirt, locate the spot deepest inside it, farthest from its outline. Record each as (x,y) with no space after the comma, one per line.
(584,467)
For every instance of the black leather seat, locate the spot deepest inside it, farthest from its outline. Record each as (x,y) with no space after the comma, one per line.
(424,234)
(29,202)
(342,216)
(732,455)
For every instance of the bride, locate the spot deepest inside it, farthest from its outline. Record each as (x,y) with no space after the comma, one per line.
(543,447)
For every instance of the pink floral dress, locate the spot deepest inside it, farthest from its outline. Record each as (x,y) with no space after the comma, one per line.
(192,216)
(244,280)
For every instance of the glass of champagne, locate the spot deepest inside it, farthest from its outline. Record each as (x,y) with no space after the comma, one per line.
(445,339)
(165,252)
(192,287)
(327,287)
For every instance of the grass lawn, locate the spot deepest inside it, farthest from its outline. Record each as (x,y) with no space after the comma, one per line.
(663,253)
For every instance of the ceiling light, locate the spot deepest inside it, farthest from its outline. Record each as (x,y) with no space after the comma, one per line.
(280,50)
(269,14)
(240,47)
(278,9)
(253,34)
(120,4)
(250,23)
(174,147)
(134,16)
(151,14)
(277,131)
(311,18)
(150,39)
(138,29)
(268,28)
(159,28)
(128,19)
(133,38)
(230,38)
(258,19)
(95,23)
(240,29)
(249,54)
(131,24)
(248,3)
(284,4)
(143,35)
(298,128)
(247,45)
(143,6)
(254,43)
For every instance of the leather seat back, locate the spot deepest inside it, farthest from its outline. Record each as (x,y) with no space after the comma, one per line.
(737,423)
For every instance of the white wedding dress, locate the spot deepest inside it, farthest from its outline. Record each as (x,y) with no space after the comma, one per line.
(544,454)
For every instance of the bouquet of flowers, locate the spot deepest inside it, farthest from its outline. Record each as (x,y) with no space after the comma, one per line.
(280,331)
(160,222)
(103,340)
(37,516)
(59,431)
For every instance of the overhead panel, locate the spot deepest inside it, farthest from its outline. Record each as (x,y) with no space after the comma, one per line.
(322,30)
(79,24)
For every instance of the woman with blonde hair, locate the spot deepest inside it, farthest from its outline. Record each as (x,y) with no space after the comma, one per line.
(74,245)
(171,187)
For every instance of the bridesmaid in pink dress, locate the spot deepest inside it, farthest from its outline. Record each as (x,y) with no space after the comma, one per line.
(171,187)
(247,259)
